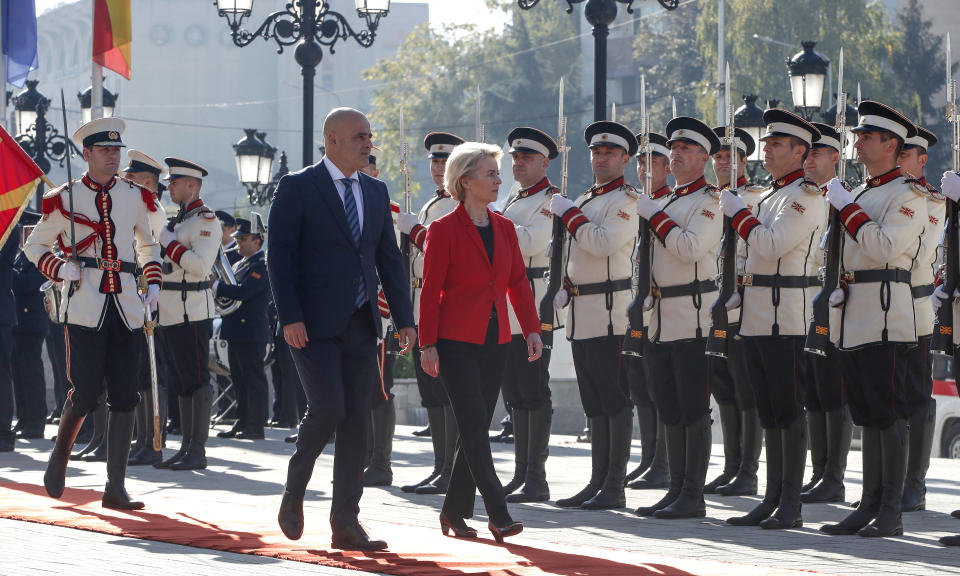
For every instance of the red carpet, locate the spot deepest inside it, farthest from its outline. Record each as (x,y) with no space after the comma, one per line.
(413,550)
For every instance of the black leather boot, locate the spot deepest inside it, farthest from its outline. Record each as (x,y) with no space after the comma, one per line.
(794,446)
(195,458)
(658,475)
(893,449)
(751,442)
(521,435)
(771,498)
(730,425)
(869,504)
(535,487)
(611,494)
(817,430)
(839,433)
(119,432)
(185,404)
(675,439)
(690,504)
(140,425)
(99,435)
(56,475)
(435,419)
(920,437)
(599,462)
(450,437)
(647,421)
(144,417)
(384,419)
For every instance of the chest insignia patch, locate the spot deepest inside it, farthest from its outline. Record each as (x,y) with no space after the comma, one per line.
(204,232)
(546,213)
(623,215)
(934,220)
(707,214)
(798,207)
(907,212)
(256,275)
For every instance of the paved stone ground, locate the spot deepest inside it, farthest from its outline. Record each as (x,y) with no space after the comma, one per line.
(251,474)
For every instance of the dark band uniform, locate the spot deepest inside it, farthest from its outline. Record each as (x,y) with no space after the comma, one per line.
(8,319)
(31,328)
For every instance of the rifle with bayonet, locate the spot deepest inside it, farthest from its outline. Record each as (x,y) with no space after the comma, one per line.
(555,248)
(74,257)
(635,338)
(942,341)
(717,337)
(393,337)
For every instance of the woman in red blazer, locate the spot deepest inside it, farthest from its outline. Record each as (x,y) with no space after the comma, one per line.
(471,263)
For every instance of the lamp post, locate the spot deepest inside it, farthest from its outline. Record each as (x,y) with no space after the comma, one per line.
(600,14)
(311,25)
(854,168)
(38,138)
(255,166)
(86,103)
(750,118)
(807,70)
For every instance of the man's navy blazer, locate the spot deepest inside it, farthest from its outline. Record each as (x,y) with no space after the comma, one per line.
(313,262)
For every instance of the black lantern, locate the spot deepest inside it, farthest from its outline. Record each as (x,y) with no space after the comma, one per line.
(255,159)
(808,70)
(38,138)
(852,118)
(750,118)
(86,104)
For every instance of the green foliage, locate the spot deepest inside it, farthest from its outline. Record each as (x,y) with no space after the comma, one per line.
(403,367)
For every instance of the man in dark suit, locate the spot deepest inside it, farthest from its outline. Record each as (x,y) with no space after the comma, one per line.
(331,238)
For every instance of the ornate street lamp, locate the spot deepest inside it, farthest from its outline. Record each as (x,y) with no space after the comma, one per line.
(38,138)
(255,159)
(750,118)
(808,70)
(600,14)
(311,25)
(86,104)
(830,116)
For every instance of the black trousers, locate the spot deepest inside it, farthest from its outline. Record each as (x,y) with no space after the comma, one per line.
(30,387)
(384,382)
(730,382)
(108,358)
(187,348)
(641,388)
(776,369)
(601,375)
(681,375)
(6,381)
(337,376)
(143,381)
(250,383)
(526,385)
(432,392)
(293,400)
(472,374)
(825,382)
(919,388)
(57,353)
(875,379)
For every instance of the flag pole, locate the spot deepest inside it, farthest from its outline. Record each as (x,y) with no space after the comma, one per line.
(3,78)
(96,96)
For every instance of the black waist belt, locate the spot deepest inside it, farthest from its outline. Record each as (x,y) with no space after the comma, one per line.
(536,273)
(111,265)
(695,287)
(607,287)
(864,276)
(922,291)
(778,281)
(186,286)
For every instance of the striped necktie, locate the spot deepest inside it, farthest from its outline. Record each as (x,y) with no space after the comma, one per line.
(353,219)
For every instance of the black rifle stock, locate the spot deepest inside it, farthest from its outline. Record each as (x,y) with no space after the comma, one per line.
(818,334)
(554,283)
(942,341)
(635,338)
(719,321)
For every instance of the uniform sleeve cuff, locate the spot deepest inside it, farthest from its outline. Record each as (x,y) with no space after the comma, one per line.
(744,222)
(418,235)
(853,218)
(573,219)
(153,272)
(49,265)
(661,224)
(175,251)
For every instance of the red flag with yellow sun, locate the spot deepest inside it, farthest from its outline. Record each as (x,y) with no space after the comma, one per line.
(19,176)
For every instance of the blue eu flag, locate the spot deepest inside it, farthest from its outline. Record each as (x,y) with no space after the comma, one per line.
(19,39)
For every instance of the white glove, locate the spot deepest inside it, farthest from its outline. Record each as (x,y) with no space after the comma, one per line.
(69,271)
(152,297)
(837,195)
(561,299)
(647,206)
(730,203)
(406,222)
(950,185)
(648,303)
(837,297)
(940,296)
(166,237)
(734,301)
(559,205)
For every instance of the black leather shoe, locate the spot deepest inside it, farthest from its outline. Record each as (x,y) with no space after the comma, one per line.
(7,443)
(425,433)
(231,433)
(950,540)
(290,517)
(955,514)
(457,525)
(250,435)
(292,439)
(355,538)
(30,434)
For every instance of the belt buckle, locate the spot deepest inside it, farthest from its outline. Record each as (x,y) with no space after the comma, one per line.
(746,280)
(573,290)
(112,265)
(848,277)
(655,292)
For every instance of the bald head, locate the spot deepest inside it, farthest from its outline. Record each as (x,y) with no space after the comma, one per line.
(348,140)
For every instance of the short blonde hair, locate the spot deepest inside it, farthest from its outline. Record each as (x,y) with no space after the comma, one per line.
(463,160)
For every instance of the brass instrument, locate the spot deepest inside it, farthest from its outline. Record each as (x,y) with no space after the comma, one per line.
(224,273)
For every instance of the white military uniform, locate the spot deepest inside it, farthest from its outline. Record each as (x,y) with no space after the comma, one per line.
(751,196)
(97,210)
(603,232)
(884,225)
(685,256)
(781,245)
(191,257)
(530,213)
(923,270)
(440,205)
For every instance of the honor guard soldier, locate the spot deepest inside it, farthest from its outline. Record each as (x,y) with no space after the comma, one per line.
(922,414)
(597,280)
(778,284)
(828,418)
(884,219)
(652,473)
(526,385)
(101,308)
(247,329)
(688,228)
(191,244)
(30,388)
(742,434)
(146,172)
(433,396)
